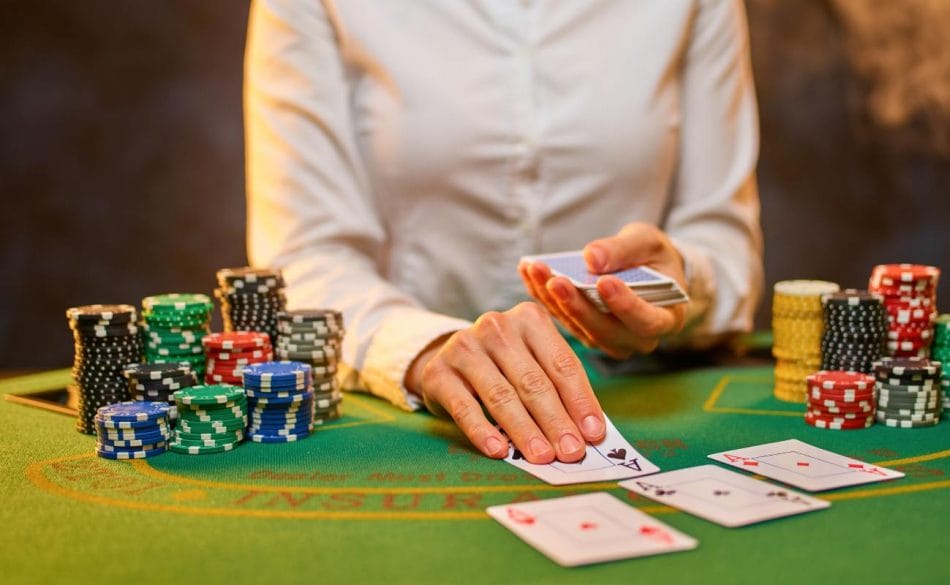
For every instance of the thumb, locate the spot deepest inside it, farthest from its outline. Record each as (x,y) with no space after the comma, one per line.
(634,245)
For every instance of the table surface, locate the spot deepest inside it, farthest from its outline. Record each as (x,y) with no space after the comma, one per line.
(388,496)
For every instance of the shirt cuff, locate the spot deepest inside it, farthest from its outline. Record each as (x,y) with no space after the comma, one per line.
(700,281)
(403,334)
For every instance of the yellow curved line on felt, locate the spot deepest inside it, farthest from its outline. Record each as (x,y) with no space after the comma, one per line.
(888,491)
(34,472)
(917,459)
(143,467)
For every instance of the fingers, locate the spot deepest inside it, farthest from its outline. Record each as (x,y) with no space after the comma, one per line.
(469,359)
(565,370)
(612,336)
(518,367)
(537,276)
(535,386)
(446,392)
(635,244)
(646,322)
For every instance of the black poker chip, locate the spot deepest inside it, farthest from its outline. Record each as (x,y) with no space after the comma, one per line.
(102,314)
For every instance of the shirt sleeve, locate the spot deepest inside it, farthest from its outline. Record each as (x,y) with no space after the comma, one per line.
(310,209)
(714,217)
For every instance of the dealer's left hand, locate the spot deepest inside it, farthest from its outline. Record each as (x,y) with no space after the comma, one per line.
(633,325)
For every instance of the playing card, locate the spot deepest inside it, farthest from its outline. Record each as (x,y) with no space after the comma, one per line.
(655,288)
(805,466)
(612,459)
(722,496)
(589,528)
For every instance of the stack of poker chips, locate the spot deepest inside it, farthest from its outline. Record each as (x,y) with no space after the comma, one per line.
(315,337)
(910,297)
(250,299)
(132,430)
(940,352)
(908,392)
(855,331)
(211,419)
(229,353)
(159,382)
(106,339)
(840,400)
(173,325)
(280,395)
(797,327)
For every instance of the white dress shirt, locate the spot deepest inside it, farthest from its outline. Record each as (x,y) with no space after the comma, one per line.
(402,155)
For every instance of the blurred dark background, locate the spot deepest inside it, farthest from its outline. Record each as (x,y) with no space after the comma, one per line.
(121,154)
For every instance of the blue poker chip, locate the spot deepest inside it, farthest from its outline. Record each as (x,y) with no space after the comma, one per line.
(130,425)
(272,407)
(281,431)
(266,373)
(280,412)
(281,423)
(133,411)
(116,449)
(282,387)
(269,394)
(129,435)
(256,401)
(267,438)
(130,454)
(115,444)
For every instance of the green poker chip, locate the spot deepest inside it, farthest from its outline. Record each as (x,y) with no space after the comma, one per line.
(177,303)
(191,440)
(177,447)
(210,394)
(202,427)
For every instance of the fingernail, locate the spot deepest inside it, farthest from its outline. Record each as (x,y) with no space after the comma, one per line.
(598,257)
(493,446)
(540,448)
(593,427)
(569,444)
(608,287)
(559,290)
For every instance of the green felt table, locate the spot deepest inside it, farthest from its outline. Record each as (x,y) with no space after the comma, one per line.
(388,497)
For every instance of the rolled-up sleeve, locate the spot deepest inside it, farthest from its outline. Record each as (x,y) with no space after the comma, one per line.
(310,209)
(714,217)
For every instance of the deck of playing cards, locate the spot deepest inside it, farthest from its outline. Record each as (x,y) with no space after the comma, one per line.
(589,528)
(650,285)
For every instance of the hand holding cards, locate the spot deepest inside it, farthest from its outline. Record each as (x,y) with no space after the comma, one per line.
(650,285)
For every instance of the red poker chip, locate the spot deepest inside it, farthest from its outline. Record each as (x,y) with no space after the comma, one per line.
(839,416)
(221,379)
(235,340)
(841,424)
(903,273)
(841,396)
(906,321)
(863,406)
(905,290)
(917,302)
(907,344)
(841,380)
(238,362)
(903,333)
